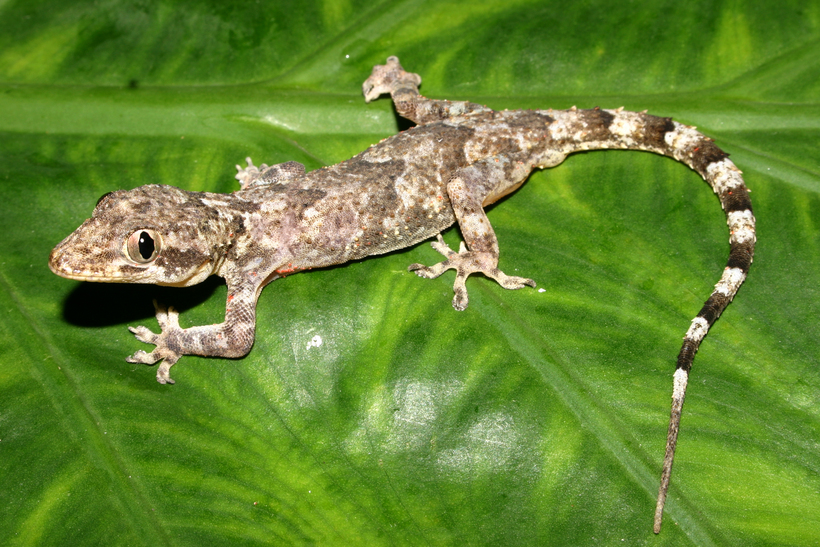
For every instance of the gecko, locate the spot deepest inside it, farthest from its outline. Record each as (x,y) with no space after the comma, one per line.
(458,158)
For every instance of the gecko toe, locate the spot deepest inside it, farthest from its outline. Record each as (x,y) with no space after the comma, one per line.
(442,248)
(143,357)
(144,334)
(512,281)
(429,272)
(167,317)
(460,299)
(164,373)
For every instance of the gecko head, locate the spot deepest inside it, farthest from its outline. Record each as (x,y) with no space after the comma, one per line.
(152,234)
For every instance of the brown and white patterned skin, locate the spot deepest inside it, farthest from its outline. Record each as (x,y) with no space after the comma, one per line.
(459,158)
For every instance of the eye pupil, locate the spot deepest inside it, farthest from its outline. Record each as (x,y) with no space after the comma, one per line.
(146,245)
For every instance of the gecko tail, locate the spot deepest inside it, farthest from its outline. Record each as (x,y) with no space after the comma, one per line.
(691,147)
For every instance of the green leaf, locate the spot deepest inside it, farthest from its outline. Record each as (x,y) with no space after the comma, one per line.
(535,417)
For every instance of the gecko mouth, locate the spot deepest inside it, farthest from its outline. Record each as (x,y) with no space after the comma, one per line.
(63,266)
(80,275)
(96,277)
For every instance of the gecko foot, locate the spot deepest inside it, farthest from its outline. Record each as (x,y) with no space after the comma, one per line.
(466,262)
(247,175)
(168,319)
(389,78)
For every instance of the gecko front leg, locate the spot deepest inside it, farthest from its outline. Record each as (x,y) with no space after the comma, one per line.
(231,338)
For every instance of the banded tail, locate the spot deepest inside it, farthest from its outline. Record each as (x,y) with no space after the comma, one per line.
(725,179)
(597,129)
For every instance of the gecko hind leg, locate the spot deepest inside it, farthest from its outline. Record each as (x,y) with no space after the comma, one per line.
(469,189)
(466,262)
(403,88)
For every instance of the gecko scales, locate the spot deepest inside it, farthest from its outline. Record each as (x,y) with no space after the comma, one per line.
(459,158)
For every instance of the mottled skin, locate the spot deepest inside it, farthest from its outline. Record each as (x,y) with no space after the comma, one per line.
(459,158)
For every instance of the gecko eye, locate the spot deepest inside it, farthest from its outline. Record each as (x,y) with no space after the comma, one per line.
(143,246)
